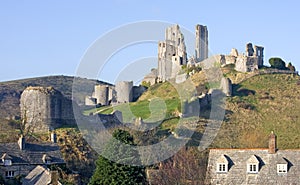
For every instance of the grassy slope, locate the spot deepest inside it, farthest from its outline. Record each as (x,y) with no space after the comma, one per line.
(260,105)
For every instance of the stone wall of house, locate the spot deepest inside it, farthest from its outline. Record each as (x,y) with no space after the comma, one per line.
(20,169)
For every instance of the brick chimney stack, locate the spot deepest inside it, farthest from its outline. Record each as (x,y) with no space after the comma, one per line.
(272,143)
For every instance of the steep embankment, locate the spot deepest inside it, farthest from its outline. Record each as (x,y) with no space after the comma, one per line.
(259,105)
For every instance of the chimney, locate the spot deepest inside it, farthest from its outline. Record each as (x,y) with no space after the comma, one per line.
(272,143)
(54,177)
(53,137)
(21,142)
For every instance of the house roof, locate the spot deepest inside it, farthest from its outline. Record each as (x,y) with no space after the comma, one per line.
(253,160)
(32,154)
(38,176)
(6,157)
(267,174)
(222,159)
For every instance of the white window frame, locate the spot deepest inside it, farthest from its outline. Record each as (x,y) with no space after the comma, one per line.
(282,168)
(222,167)
(252,168)
(9,174)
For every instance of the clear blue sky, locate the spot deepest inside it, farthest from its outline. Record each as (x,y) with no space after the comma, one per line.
(49,37)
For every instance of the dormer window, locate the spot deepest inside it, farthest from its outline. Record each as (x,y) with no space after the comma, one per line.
(282,165)
(252,164)
(281,168)
(6,160)
(222,165)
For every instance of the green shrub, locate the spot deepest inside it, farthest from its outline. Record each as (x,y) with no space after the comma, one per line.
(277,63)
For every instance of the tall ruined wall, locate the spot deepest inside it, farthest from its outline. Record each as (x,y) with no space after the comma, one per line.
(44,109)
(201,48)
(124,91)
(171,53)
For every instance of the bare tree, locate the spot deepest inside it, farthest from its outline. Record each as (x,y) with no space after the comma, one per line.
(188,166)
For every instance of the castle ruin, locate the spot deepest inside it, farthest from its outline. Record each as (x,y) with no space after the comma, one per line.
(251,60)
(172,54)
(122,92)
(201,48)
(44,109)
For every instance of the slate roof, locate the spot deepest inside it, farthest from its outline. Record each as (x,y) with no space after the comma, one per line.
(38,176)
(32,154)
(267,174)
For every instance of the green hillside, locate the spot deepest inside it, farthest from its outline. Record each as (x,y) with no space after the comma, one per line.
(262,104)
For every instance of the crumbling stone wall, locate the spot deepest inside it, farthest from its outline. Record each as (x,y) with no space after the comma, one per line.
(44,109)
(171,53)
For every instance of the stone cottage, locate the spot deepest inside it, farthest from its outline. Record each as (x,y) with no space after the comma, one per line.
(21,157)
(266,166)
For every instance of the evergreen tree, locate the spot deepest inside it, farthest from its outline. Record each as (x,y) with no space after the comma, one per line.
(116,172)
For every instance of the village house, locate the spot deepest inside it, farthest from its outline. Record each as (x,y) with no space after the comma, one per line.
(20,158)
(254,166)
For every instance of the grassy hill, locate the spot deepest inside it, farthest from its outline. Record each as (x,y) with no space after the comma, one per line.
(259,105)
(10,91)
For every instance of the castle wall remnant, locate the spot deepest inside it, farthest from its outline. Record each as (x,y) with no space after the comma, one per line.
(226,86)
(201,49)
(137,92)
(251,60)
(44,109)
(90,101)
(124,91)
(171,53)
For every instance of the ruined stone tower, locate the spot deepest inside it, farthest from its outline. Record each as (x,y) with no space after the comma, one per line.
(101,93)
(171,53)
(44,109)
(124,90)
(201,48)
